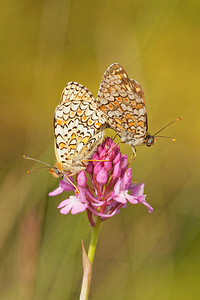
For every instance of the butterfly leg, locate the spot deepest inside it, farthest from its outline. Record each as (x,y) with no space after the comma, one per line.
(95,141)
(84,165)
(82,161)
(76,189)
(133,156)
(115,136)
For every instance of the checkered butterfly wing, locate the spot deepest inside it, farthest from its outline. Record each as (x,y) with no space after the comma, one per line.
(76,91)
(78,127)
(121,99)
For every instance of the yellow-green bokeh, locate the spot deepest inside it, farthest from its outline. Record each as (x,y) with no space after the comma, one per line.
(45,44)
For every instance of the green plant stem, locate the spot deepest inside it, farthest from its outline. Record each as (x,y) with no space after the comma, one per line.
(88,261)
(93,241)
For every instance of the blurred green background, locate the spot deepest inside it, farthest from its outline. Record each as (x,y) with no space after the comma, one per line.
(44,45)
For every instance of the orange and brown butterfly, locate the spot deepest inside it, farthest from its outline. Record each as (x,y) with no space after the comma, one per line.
(122,102)
(78,130)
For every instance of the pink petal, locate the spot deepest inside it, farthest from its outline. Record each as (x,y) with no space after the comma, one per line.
(64,203)
(143,201)
(120,198)
(67,178)
(117,187)
(65,210)
(56,192)
(132,199)
(137,189)
(66,185)
(77,208)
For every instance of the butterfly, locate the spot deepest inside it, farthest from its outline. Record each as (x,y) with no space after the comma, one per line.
(122,102)
(78,129)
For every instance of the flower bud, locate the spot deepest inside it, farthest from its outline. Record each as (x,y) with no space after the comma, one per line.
(97,168)
(111,154)
(89,168)
(102,176)
(127,177)
(124,162)
(117,158)
(99,149)
(108,165)
(95,159)
(103,153)
(117,170)
(82,179)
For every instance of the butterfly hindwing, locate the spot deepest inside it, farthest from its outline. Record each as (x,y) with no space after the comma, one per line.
(122,101)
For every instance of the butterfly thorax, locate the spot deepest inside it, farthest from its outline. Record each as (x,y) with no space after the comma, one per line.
(149,140)
(133,141)
(59,170)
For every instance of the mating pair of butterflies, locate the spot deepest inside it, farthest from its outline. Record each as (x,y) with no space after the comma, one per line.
(80,119)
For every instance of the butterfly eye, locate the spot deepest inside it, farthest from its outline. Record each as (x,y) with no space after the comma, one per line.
(55,172)
(58,172)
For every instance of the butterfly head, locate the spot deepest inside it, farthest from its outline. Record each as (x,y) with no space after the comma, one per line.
(55,172)
(150,140)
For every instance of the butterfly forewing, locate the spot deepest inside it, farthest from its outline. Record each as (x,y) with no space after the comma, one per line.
(76,91)
(122,101)
(78,128)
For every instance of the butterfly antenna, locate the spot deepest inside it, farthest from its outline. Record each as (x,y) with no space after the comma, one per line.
(167,126)
(30,171)
(37,160)
(167,137)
